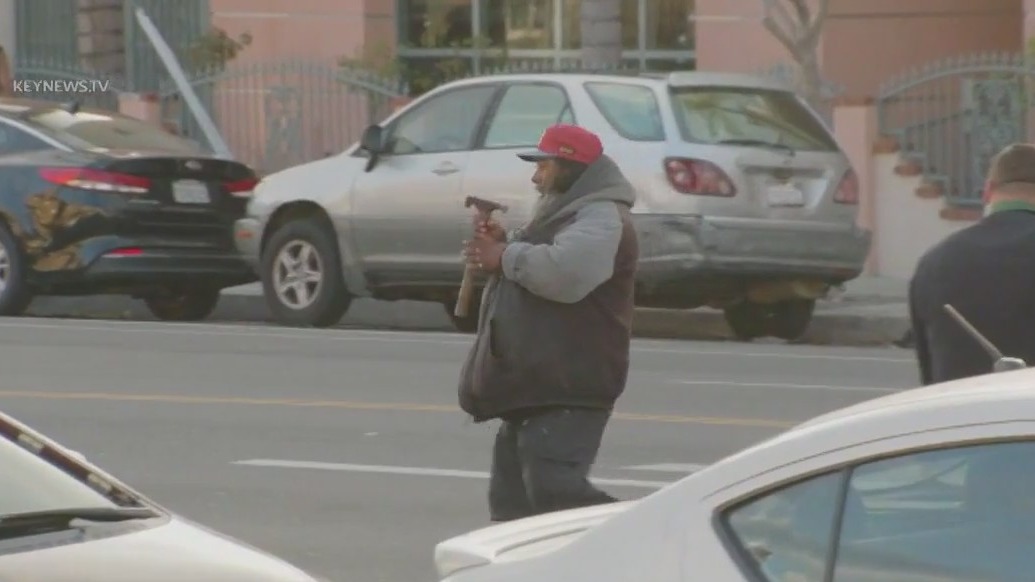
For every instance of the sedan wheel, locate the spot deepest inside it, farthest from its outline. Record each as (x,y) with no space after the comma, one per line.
(15,294)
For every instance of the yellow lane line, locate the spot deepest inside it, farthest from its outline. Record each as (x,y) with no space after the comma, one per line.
(356,405)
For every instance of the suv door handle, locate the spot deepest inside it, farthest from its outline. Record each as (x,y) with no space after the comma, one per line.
(446,168)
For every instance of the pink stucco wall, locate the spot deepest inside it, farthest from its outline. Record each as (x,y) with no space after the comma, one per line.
(865,42)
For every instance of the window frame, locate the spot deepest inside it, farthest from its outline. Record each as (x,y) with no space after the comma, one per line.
(610,120)
(497,100)
(740,556)
(391,127)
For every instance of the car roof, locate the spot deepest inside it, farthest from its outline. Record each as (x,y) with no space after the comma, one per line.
(674,79)
(986,399)
(1007,394)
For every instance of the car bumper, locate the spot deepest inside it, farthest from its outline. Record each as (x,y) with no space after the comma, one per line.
(103,265)
(248,238)
(675,247)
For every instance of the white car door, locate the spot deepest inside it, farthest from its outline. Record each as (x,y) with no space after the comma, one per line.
(408,217)
(495,172)
(942,505)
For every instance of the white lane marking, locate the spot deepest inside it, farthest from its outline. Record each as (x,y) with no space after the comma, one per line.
(830,387)
(386,336)
(685,468)
(422,471)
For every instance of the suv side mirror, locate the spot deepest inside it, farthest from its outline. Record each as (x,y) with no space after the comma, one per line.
(373,141)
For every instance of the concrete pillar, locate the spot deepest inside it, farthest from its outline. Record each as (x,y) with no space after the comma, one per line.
(1029,20)
(855,128)
(143,106)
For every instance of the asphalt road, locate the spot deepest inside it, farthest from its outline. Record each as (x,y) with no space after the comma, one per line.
(343,451)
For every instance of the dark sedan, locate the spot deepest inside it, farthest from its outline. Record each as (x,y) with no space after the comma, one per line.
(93,202)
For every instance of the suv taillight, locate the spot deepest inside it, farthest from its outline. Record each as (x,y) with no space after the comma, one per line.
(698,177)
(848,189)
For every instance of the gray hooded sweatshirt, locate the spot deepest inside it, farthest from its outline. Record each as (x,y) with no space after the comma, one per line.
(555,326)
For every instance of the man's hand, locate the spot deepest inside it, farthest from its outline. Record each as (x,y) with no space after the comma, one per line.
(489,227)
(485,252)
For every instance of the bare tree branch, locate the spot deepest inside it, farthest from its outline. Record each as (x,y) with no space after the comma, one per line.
(801,7)
(793,24)
(779,22)
(815,27)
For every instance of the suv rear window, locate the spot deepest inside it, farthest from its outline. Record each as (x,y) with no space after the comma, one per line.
(92,130)
(632,110)
(710,115)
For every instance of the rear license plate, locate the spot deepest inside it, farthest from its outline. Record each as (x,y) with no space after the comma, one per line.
(191,192)
(785,195)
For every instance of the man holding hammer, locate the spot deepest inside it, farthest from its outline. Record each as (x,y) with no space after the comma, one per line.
(551,355)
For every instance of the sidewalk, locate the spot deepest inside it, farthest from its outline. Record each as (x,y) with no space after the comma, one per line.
(871,311)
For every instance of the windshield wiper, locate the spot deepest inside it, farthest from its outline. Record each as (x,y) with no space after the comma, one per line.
(758,143)
(61,519)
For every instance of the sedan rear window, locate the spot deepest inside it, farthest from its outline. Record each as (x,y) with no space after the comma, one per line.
(94,130)
(632,110)
(714,115)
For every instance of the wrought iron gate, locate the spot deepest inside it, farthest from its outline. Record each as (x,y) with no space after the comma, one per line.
(953,117)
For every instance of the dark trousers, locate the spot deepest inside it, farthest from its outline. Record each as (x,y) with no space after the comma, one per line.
(541,463)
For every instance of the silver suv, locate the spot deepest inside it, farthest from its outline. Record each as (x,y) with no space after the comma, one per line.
(746,202)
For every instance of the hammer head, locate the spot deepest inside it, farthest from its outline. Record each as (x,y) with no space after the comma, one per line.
(484,206)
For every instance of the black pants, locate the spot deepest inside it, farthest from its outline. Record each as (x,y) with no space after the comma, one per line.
(541,463)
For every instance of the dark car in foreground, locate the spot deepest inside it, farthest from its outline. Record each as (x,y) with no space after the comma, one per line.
(62,519)
(94,202)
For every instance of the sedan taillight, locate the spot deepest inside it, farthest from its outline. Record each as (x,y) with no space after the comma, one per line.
(89,179)
(241,188)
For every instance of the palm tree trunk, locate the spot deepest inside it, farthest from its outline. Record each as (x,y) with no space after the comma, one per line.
(601,24)
(6,74)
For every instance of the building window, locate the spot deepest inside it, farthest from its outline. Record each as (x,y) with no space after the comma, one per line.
(517,24)
(668,25)
(655,33)
(572,24)
(435,23)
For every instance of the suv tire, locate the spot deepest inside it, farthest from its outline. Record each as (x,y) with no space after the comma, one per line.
(786,320)
(302,278)
(192,305)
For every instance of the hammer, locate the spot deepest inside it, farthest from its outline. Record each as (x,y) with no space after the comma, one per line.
(463,300)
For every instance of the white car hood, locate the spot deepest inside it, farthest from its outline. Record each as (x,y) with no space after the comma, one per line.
(175,551)
(521,538)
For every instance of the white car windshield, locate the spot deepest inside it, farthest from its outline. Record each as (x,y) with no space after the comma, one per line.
(29,483)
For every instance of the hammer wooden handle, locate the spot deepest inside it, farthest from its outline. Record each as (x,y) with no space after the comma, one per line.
(463,299)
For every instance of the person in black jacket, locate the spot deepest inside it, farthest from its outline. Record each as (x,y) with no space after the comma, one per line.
(986,272)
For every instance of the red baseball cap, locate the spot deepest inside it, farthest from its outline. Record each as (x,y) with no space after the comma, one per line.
(566,142)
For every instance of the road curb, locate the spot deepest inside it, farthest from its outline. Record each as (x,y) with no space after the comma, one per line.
(828,328)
